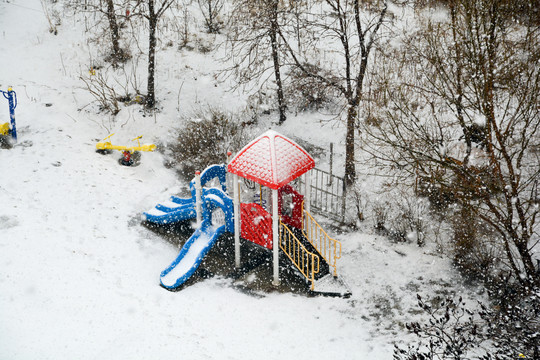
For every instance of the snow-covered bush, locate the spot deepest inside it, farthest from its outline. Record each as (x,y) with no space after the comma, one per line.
(205,138)
(513,322)
(305,93)
(403,220)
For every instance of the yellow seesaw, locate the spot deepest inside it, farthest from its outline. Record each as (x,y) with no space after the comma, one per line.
(4,129)
(107,145)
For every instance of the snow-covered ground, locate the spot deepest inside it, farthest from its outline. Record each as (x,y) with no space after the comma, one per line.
(79,275)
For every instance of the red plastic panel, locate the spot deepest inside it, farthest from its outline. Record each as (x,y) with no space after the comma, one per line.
(291,216)
(256,224)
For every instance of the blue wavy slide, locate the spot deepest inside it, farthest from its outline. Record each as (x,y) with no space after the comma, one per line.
(191,255)
(172,211)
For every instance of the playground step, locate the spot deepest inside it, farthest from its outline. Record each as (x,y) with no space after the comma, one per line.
(332,286)
(170,204)
(155,212)
(324,268)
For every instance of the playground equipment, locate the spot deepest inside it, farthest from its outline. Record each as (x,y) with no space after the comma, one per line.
(127,151)
(272,161)
(201,206)
(5,129)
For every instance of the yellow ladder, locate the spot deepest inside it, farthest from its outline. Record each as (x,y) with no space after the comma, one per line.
(306,262)
(329,248)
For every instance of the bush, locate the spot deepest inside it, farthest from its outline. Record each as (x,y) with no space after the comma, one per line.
(498,332)
(513,323)
(450,333)
(476,247)
(204,140)
(402,221)
(306,93)
(476,251)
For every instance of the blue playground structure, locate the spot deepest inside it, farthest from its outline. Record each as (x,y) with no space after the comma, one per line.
(5,129)
(179,209)
(208,230)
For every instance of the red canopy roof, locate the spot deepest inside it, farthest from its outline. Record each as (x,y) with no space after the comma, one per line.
(271,160)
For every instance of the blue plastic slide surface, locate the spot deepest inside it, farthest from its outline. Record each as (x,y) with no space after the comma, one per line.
(191,255)
(177,209)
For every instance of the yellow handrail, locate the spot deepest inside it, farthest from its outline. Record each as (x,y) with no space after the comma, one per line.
(329,248)
(304,260)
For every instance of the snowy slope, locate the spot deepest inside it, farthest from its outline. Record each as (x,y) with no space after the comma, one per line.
(79,275)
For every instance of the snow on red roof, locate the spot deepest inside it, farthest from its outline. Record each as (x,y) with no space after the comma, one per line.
(271,160)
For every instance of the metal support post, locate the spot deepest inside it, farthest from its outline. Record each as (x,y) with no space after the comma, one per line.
(275,236)
(228,175)
(198,197)
(307,196)
(11,96)
(236,202)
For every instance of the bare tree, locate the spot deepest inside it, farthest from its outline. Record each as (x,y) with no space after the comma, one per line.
(467,121)
(152,10)
(342,20)
(118,55)
(210,10)
(273,11)
(106,9)
(254,37)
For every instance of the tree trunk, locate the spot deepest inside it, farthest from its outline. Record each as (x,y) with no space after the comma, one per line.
(275,58)
(115,35)
(152,19)
(210,17)
(350,169)
(528,264)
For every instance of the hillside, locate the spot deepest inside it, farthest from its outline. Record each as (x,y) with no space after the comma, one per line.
(80,272)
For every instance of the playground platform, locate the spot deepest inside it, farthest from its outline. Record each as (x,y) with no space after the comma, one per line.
(256,269)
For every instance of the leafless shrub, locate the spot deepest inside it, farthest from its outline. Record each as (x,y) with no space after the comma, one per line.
(201,44)
(457,331)
(182,27)
(129,82)
(422,4)
(360,204)
(380,215)
(102,92)
(52,18)
(211,10)
(409,221)
(475,248)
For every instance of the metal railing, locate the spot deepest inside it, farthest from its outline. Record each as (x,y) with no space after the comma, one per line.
(306,262)
(327,195)
(329,248)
